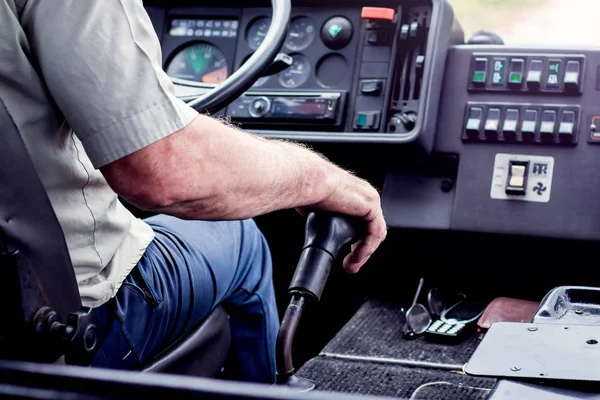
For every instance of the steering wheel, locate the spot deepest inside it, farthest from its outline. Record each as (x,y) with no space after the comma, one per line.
(217,97)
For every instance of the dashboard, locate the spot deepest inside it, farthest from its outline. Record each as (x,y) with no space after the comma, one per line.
(359,73)
(501,139)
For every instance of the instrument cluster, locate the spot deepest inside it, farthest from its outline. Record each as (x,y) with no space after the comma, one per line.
(322,44)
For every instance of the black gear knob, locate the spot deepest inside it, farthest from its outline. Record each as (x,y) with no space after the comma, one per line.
(327,237)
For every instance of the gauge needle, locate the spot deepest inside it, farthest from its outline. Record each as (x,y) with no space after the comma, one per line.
(292,34)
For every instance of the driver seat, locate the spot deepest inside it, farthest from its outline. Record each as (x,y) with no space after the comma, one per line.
(43,319)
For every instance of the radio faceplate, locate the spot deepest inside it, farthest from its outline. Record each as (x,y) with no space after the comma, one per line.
(314,108)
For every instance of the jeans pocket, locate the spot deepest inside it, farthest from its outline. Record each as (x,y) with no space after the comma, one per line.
(138,283)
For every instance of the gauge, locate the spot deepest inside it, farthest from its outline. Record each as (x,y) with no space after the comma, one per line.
(257,32)
(301,34)
(297,73)
(201,62)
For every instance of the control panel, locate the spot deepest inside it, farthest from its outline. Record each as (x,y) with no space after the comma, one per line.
(531,73)
(521,123)
(524,124)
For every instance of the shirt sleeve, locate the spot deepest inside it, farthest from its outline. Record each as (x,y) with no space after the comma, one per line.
(102,63)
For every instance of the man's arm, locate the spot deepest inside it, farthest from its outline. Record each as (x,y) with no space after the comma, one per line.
(101,61)
(211,171)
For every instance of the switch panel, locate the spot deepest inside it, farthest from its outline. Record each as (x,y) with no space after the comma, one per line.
(529,73)
(545,124)
(522,177)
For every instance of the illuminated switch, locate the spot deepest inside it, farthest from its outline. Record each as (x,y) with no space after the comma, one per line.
(515,77)
(367,120)
(566,127)
(498,71)
(517,177)
(480,72)
(492,123)
(572,72)
(552,79)
(534,75)
(547,126)
(473,124)
(529,124)
(509,128)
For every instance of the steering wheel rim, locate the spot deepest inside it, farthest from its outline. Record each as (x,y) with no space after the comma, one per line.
(245,76)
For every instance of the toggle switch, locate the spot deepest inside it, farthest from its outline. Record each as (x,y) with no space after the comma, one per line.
(515,77)
(492,123)
(572,72)
(480,72)
(566,129)
(517,178)
(534,76)
(547,126)
(474,122)
(529,125)
(509,128)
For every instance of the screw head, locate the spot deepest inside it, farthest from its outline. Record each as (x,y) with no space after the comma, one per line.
(515,369)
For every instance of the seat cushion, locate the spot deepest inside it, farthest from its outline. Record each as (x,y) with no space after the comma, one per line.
(201,351)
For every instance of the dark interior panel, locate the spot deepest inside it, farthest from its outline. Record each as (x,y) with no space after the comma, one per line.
(571,211)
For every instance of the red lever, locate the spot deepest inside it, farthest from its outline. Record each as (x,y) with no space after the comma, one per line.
(381,13)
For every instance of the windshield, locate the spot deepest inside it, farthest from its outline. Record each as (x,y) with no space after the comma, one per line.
(572,23)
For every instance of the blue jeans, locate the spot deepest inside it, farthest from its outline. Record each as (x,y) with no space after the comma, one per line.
(188,269)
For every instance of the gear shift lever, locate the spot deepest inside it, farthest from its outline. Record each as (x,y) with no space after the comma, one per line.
(326,236)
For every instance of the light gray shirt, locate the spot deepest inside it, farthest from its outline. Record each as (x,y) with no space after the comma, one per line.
(83,81)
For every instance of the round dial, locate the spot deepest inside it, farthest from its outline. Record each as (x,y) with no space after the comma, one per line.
(257,31)
(201,62)
(301,34)
(297,73)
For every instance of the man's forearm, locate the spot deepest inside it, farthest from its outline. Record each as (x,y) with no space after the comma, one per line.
(211,171)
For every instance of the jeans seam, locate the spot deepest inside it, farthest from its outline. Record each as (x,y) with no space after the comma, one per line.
(265,329)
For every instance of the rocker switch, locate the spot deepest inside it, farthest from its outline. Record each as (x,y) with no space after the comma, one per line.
(517,177)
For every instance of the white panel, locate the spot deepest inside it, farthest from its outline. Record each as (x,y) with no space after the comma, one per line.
(539,177)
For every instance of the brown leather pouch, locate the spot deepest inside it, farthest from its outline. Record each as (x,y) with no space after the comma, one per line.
(506,309)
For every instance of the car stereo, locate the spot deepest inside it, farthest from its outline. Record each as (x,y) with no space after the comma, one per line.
(306,107)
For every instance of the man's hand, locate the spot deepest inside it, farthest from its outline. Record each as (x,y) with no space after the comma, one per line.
(356,197)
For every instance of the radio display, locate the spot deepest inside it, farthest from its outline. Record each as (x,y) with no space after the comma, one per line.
(303,108)
(204,28)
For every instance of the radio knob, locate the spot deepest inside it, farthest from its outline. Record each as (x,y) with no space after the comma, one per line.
(259,107)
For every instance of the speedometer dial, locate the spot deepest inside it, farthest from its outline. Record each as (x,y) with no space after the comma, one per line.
(201,62)
(301,35)
(257,32)
(297,73)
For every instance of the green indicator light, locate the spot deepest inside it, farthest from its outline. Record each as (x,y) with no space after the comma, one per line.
(479,76)
(515,77)
(335,30)
(361,120)
(554,66)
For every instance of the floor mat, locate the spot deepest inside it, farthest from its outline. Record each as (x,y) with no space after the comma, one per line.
(393,381)
(376,331)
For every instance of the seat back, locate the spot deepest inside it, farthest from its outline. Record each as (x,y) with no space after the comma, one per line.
(35,266)
(36,276)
